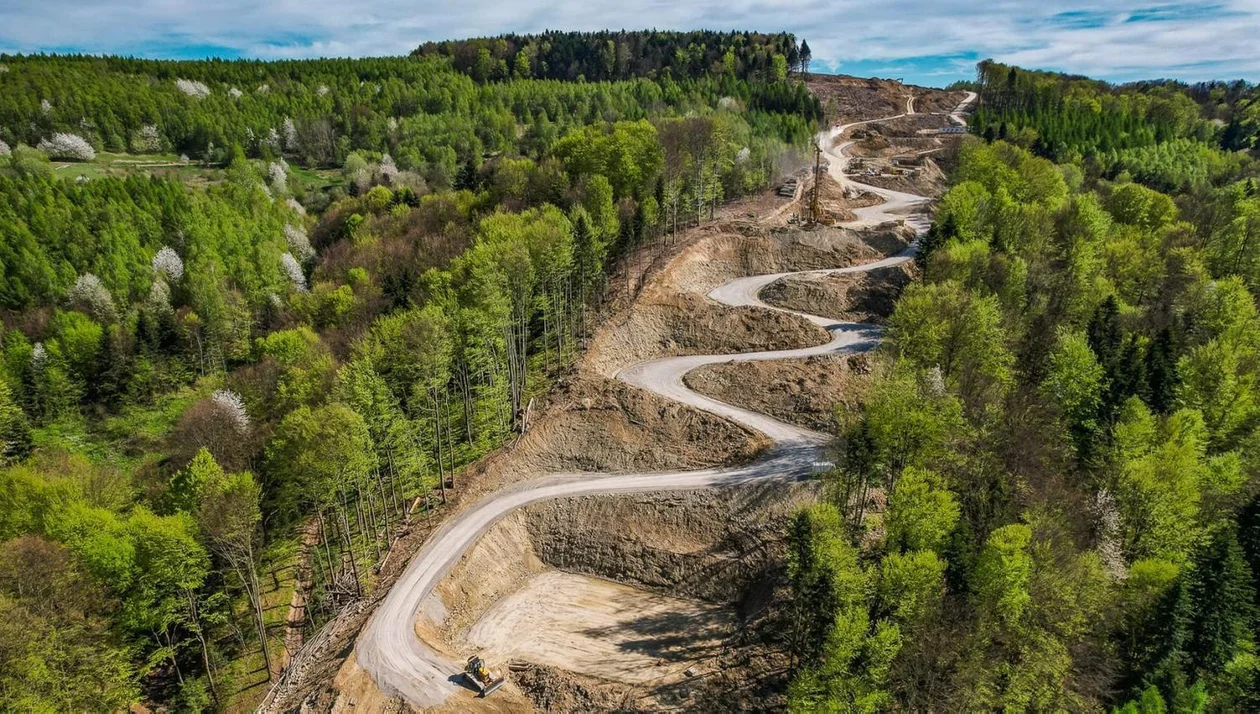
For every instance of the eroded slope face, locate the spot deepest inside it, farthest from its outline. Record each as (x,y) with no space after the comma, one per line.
(805,392)
(673,315)
(853,297)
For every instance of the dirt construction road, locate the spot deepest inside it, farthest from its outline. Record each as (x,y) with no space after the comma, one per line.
(402,664)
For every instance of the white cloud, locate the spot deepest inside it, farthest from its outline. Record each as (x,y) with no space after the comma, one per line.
(1192,41)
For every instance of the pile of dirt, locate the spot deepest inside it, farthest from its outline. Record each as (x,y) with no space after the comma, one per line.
(555,690)
(867,296)
(802,391)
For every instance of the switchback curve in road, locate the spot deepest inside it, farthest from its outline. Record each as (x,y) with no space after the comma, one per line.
(389,649)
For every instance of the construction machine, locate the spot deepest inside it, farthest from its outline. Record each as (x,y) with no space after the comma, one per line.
(480,676)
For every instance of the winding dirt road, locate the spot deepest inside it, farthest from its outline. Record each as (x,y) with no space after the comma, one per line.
(402,664)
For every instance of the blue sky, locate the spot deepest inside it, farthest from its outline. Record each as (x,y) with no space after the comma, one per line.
(922,41)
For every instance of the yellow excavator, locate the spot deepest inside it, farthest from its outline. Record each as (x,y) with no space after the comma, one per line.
(480,676)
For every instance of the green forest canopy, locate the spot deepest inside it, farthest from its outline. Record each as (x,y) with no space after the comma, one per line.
(198,365)
(1065,425)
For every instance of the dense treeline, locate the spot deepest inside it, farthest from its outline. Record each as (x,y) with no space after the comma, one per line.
(211,391)
(1048,501)
(1154,132)
(420,111)
(1235,104)
(611,55)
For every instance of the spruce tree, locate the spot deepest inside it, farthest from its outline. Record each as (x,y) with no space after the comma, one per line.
(1161,370)
(1222,596)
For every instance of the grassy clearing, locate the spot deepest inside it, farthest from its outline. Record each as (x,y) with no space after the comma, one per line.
(171,166)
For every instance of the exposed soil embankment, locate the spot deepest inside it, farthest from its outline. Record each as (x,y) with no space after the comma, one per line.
(709,545)
(607,426)
(804,392)
(673,317)
(857,98)
(612,598)
(853,297)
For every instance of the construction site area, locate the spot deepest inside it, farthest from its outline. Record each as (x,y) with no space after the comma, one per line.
(628,552)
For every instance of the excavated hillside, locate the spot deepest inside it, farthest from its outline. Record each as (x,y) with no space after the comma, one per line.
(661,599)
(858,99)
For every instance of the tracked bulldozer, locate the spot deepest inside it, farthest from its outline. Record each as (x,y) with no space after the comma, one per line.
(480,676)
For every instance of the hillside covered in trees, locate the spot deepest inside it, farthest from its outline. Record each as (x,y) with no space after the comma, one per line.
(218,383)
(425,114)
(1049,498)
(607,55)
(1164,134)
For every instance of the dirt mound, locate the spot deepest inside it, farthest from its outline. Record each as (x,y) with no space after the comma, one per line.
(852,297)
(555,690)
(802,392)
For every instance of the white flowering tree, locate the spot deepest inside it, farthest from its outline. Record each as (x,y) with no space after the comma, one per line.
(160,296)
(293,269)
(70,147)
(89,294)
(4,148)
(148,140)
(388,170)
(194,89)
(299,244)
(45,106)
(296,206)
(39,356)
(232,407)
(289,132)
(277,174)
(1107,532)
(167,262)
(235,93)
